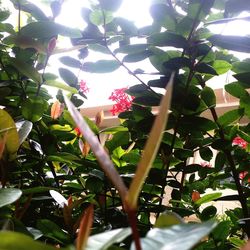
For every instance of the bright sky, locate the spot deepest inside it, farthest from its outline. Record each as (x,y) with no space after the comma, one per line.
(101,85)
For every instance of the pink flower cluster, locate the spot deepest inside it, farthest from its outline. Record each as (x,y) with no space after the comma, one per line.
(243,144)
(83,87)
(240,142)
(122,99)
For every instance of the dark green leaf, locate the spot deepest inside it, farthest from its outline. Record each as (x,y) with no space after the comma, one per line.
(102,66)
(235,89)
(8,196)
(119,139)
(131,48)
(236,43)
(208,96)
(70,61)
(206,153)
(222,230)
(230,117)
(220,161)
(26,69)
(208,213)
(136,57)
(245,103)
(52,230)
(205,68)
(49,29)
(168,39)
(147,100)
(68,77)
(177,63)
(243,77)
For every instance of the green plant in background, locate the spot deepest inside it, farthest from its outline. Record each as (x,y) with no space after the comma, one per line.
(59,184)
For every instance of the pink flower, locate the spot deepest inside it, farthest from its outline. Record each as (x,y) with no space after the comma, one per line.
(243,174)
(206,164)
(240,142)
(122,99)
(83,87)
(78,132)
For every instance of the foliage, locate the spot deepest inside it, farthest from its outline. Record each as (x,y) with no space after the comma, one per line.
(61,182)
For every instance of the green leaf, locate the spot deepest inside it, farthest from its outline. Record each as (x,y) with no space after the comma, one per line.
(206,153)
(30,8)
(147,100)
(100,17)
(119,139)
(131,48)
(222,230)
(235,89)
(230,117)
(245,103)
(99,48)
(136,57)
(23,128)
(18,241)
(168,219)
(208,96)
(68,76)
(104,240)
(112,5)
(241,66)
(207,198)
(70,61)
(244,78)
(168,39)
(221,66)
(26,69)
(53,231)
(183,236)
(9,195)
(177,63)
(101,66)
(60,85)
(112,130)
(205,69)
(33,108)
(48,29)
(236,43)
(12,140)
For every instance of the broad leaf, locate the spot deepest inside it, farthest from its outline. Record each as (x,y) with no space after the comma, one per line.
(18,241)
(102,66)
(48,29)
(208,96)
(207,198)
(235,89)
(26,69)
(236,43)
(230,117)
(183,236)
(168,39)
(70,61)
(7,124)
(23,128)
(8,196)
(68,76)
(111,5)
(104,240)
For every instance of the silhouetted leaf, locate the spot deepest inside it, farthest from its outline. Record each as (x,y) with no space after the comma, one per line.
(101,66)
